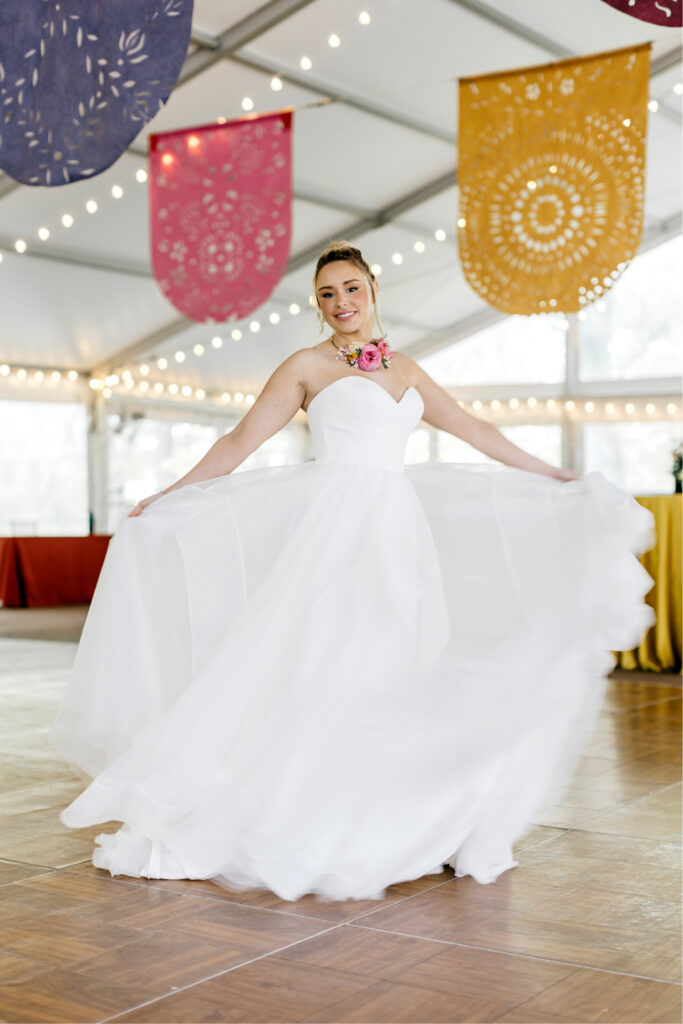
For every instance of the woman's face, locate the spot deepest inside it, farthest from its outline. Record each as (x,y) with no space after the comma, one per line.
(345,299)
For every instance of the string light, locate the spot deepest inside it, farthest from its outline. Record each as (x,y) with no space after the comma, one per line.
(678,88)
(649,408)
(179,357)
(333,40)
(629,407)
(167,159)
(551,403)
(274,318)
(397,258)
(236,334)
(117,192)
(514,403)
(91,206)
(476,405)
(626,122)
(186,390)
(247,103)
(294,309)
(217,342)
(72,375)
(200,393)
(254,326)
(144,385)
(364,18)
(221,120)
(671,408)
(419,247)
(239,397)
(376,269)
(462,222)
(141,175)
(198,349)
(589,406)
(609,407)
(495,404)
(173,389)
(249,399)
(20,245)
(276,83)
(67,220)
(440,235)
(43,234)
(569,405)
(553,168)
(162,363)
(653,106)
(144,369)
(306,63)
(192,142)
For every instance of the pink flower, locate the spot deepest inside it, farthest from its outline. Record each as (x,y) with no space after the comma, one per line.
(370,357)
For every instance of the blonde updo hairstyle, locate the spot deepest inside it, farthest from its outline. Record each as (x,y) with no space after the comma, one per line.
(338,251)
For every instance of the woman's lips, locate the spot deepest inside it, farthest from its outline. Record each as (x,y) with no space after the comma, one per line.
(345,316)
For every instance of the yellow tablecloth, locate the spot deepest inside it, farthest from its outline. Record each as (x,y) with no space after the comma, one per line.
(660,650)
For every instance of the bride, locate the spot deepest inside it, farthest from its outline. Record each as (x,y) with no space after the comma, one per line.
(338,675)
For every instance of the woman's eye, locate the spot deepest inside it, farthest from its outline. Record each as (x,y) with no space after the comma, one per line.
(353,288)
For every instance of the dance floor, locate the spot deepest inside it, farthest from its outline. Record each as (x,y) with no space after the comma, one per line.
(585,929)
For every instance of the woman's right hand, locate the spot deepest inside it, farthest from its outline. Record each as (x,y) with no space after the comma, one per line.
(142,505)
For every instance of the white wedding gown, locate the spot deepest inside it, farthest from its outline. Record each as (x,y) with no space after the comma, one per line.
(333,676)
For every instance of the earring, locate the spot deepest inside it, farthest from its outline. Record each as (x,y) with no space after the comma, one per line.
(321,319)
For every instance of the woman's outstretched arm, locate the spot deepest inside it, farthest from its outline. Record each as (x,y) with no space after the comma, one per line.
(275,406)
(442,411)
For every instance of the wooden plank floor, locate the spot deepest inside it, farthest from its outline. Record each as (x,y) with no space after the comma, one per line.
(585,929)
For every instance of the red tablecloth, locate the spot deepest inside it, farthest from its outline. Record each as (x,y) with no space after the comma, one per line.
(36,572)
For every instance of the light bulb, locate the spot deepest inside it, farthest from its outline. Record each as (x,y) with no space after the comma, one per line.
(306,63)
(179,357)
(333,40)
(532,403)
(609,407)
(167,159)
(376,269)
(514,403)
(364,18)
(247,103)
(144,385)
(276,83)
(198,349)
(159,387)
(236,334)
(72,375)
(678,88)
(419,247)
(238,396)
(141,175)
(397,258)
(117,191)
(630,408)
(43,234)
(294,309)
(440,235)
(462,222)
(570,405)
(553,168)
(67,220)
(653,106)
(589,406)
(626,122)
(144,368)
(254,326)
(173,389)
(200,393)
(274,318)
(91,206)
(649,408)
(249,399)
(20,245)
(671,408)
(162,363)
(186,390)
(217,342)
(192,142)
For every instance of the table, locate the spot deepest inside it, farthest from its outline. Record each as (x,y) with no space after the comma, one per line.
(660,649)
(36,572)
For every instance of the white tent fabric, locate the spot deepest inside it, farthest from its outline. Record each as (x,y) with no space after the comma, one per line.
(377,165)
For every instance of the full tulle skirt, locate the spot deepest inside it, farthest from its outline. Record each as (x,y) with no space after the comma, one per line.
(331,677)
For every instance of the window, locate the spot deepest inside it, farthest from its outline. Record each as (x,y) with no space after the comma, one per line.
(637,331)
(542,440)
(518,349)
(43,468)
(147,454)
(636,456)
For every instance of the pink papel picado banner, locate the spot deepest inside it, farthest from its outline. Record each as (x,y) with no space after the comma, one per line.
(220,209)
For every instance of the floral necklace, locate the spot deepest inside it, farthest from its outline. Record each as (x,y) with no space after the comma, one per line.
(369,356)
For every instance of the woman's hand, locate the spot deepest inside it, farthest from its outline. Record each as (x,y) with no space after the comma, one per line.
(564,474)
(141,505)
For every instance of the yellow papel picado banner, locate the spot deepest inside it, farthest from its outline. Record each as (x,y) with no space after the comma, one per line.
(552,173)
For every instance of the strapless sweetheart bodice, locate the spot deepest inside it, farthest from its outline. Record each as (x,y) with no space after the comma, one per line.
(354,419)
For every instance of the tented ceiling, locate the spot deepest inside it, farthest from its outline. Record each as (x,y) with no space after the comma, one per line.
(376,166)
